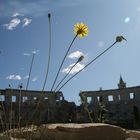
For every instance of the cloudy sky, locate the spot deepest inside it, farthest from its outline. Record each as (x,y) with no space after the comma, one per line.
(24,31)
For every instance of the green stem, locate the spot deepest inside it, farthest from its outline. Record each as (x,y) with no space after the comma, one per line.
(49,55)
(30,71)
(66,75)
(87,65)
(63,62)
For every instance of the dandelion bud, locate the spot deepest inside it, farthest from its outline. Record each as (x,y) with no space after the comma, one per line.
(20,86)
(80,58)
(49,15)
(120,38)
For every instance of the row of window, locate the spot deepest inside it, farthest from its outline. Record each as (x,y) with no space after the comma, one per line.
(14,98)
(110,98)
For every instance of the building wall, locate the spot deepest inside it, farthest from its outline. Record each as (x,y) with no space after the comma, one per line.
(28,96)
(119,103)
(33,107)
(122,105)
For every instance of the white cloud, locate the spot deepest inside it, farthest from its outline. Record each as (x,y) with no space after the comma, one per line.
(127,19)
(12,24)
(76,69)
(16,21)
(26,54)
(35,79)
(13,77)
(17,14)
(26,77)
(35,51)
(26,22)
(32,52)
(75,54)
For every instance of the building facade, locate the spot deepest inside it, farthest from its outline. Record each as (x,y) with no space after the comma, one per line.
(119,106)
(22,107)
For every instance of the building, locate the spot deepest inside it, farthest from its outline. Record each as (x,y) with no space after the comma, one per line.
(119,106)
(20,107)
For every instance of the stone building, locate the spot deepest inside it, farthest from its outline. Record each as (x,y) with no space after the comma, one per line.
(122,105)
(24,107)
(114,106)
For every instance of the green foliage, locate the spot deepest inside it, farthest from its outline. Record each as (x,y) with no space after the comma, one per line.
(85,105)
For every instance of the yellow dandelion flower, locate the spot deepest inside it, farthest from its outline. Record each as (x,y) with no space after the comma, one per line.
(81,30)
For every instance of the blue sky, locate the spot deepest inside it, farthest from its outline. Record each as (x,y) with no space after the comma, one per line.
(24,29)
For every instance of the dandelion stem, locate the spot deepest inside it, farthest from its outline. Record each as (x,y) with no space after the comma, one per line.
(87,65)
(49,54)
(38,103)
(79,60)
(30,71)
(66,76)
(63,61)
(11,110)
(19,111)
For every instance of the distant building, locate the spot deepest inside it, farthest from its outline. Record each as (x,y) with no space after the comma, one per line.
(114,106)
(23,107)
(122,105)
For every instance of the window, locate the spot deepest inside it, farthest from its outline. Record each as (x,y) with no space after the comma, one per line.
(119,97)
(2,98)
(24,98)
(89,99)
(34,98)
(13,98)
(99,98)
(110,98)
(131,95)
(45,98)
(61,98)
